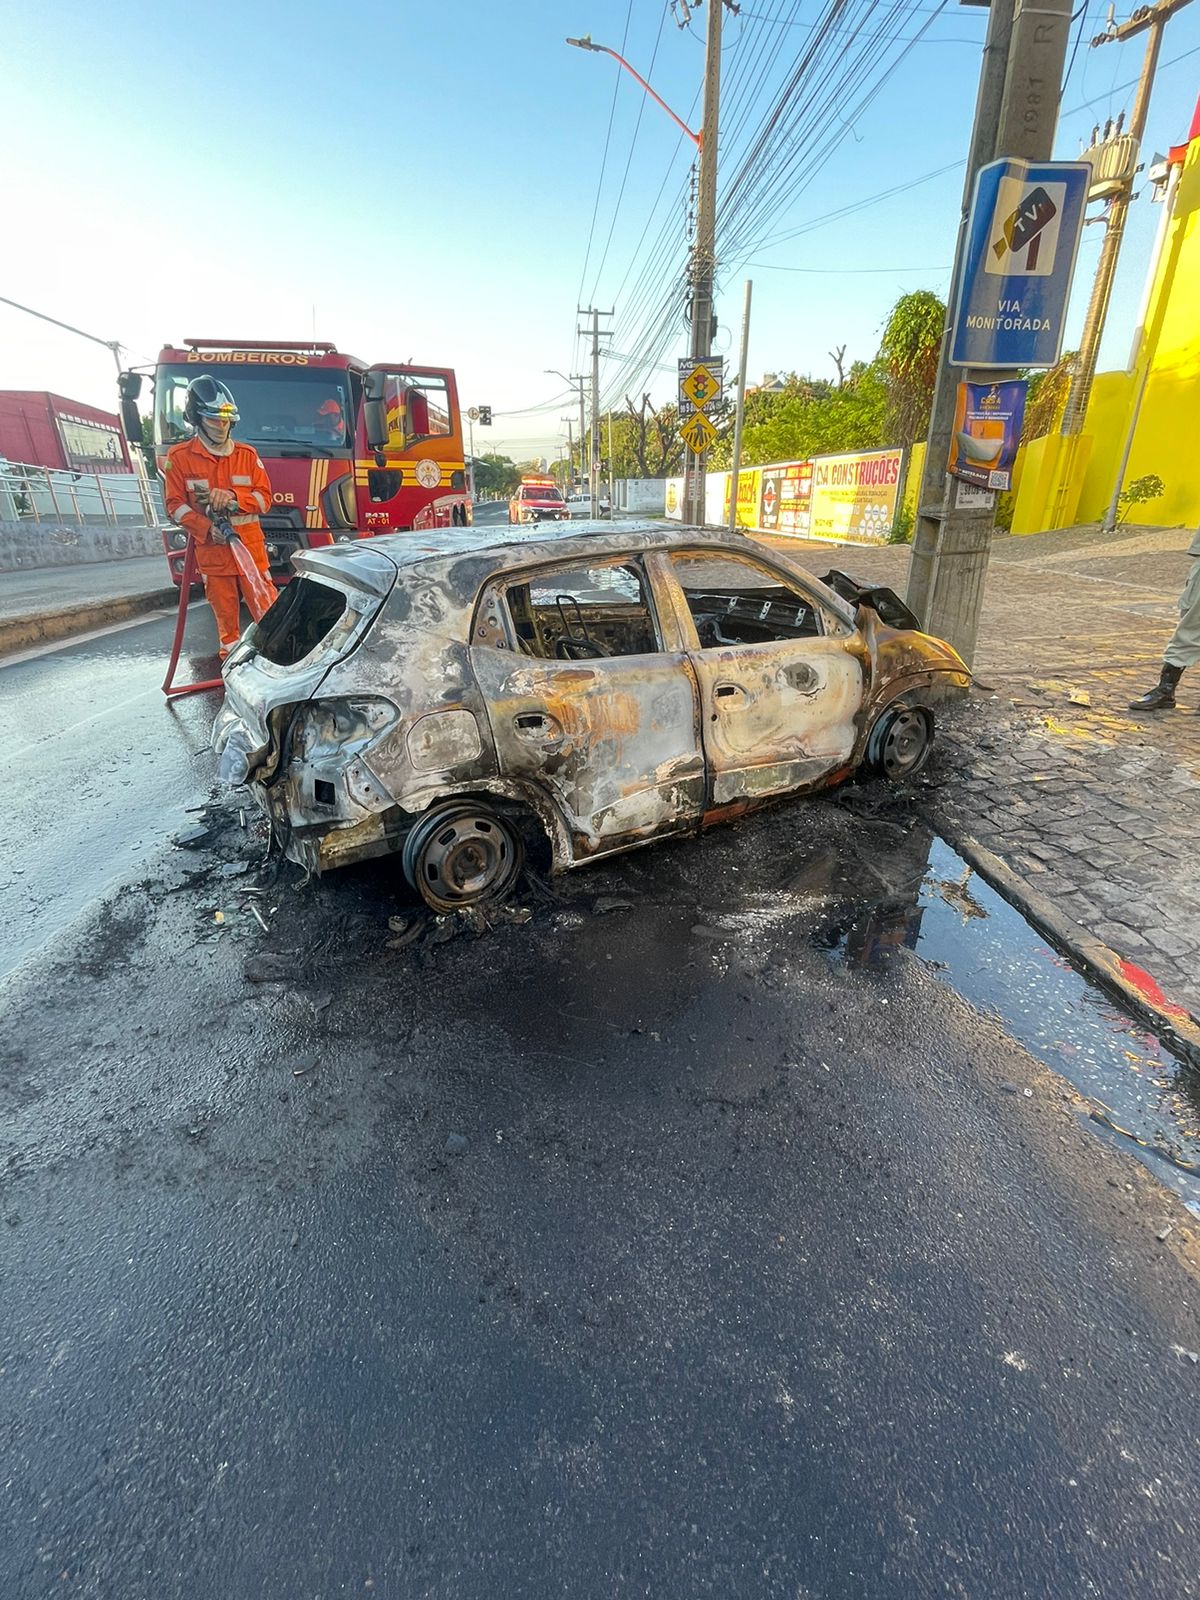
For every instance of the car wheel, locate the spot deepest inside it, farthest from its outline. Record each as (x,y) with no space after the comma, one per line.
(462,854)
(900,742)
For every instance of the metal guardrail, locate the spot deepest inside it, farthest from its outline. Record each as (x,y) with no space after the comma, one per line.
(47,494)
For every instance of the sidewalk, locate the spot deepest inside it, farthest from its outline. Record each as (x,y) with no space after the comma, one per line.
(1095,807)
(42,589)
(43,604)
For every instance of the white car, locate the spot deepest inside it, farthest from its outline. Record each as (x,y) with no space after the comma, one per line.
(580,505)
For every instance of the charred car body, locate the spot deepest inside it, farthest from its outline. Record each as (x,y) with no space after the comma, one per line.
(441,698)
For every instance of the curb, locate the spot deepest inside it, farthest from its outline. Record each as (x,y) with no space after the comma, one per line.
(1172,1024)
(43,627)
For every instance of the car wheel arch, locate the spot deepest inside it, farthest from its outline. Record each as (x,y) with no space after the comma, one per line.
(519,803)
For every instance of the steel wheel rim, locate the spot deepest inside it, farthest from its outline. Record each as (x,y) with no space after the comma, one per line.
(461,858)
(905,744)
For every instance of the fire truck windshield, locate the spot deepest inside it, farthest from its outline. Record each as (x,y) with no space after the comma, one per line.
(295,413)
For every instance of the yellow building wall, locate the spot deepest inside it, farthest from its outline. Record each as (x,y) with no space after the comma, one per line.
(1064,481)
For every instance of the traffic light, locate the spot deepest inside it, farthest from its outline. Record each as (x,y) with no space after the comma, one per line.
(485,416)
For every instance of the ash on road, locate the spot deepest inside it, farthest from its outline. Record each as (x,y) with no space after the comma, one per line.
(691,1237)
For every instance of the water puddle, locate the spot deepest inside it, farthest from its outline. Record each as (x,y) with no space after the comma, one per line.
(930,901)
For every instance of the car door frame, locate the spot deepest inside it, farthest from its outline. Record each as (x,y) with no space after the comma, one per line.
(551,719)
(759,739)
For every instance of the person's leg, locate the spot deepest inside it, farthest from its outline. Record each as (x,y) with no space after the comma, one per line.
(1182,651)
(222,591)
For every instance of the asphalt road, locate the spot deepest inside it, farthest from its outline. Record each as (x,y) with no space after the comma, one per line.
(694,1236)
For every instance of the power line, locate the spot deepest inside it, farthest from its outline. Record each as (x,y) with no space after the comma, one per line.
(632,146)
(842,272)
(604,159)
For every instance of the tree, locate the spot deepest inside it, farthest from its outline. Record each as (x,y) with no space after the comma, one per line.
(909,352)
(495,474)
(650,441)
(148,446)
(809,417)
(1046,397)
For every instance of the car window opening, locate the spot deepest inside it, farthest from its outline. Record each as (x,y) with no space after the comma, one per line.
(733,602)
(302,616)
(580,614)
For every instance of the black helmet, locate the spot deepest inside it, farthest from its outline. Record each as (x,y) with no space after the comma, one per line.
(207,397)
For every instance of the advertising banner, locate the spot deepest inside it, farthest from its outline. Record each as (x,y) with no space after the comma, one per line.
(747,500)
(987,432)
(850,496)
(854,496)
(785,502)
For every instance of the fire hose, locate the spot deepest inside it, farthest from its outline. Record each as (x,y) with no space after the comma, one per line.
(257,590)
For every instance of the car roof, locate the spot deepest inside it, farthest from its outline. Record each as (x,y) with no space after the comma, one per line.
(464,559)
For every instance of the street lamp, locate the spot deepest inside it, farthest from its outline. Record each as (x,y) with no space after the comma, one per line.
(586,44)
(703,260)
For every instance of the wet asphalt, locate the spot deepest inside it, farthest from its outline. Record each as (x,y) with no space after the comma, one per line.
(703,1227)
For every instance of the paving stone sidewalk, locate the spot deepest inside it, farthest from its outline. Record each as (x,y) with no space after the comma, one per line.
(1045,765)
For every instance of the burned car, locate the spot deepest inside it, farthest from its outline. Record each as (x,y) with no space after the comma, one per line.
(444,696)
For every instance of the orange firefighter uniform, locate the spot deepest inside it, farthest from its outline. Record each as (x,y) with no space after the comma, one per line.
(194,468)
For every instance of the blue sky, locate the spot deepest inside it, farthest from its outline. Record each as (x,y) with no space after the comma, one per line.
(425,182)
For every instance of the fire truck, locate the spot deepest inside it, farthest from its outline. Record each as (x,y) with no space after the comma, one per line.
(351,449)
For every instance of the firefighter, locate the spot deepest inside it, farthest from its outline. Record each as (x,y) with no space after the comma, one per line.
(210,472)
(1183,647)
(330,426)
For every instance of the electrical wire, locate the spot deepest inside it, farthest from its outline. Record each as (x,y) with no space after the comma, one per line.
(841,272)
(618,70)
(629,158)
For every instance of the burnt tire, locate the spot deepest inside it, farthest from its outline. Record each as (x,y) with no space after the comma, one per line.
(900,742)
(462,854)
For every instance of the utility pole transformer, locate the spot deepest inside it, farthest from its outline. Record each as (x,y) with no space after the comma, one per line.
(1155,19)
(703,263)
(1016,113)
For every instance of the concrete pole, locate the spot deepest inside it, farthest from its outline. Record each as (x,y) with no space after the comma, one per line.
(582,430)
(951,565)
(740,414)
(612,504)
(570,452)
(704,251)
(932,490)
(593,464)
(1114,229)
(471,450)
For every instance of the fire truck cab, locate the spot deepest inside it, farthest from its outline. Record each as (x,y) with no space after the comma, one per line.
(351,449)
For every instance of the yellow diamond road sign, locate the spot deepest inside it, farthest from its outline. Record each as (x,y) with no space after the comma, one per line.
(698,433)
(701,386)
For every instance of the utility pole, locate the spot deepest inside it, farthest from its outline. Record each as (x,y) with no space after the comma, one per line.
(1016,112)
(594,436)
(570,450)
(703,263)
(582,429)
(740,413)
(1155,19)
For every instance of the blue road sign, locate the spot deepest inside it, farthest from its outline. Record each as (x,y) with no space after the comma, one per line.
(1022,236)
